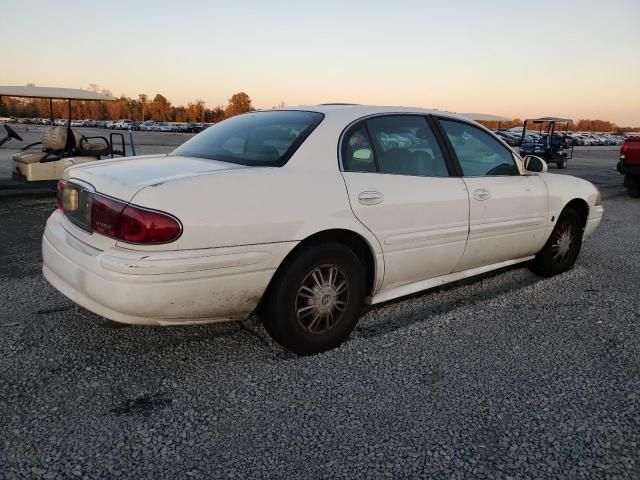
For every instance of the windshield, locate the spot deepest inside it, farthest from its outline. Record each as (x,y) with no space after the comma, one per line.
(257,138)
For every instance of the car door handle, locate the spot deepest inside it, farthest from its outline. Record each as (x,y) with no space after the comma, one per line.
(370,198)
(481,194)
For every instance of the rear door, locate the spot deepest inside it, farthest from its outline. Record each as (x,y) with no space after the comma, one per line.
(508,213)
(400,187)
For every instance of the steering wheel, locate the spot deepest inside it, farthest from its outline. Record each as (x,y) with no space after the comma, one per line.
(11,133)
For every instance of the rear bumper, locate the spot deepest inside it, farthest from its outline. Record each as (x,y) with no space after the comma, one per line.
(159,287)
(593,220)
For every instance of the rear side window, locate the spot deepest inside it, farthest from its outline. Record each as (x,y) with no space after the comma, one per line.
(479,154)
(258,138)
(393,144)
(405,145)
(357,152)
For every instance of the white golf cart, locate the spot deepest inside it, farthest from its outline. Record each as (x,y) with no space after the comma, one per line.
(43,162)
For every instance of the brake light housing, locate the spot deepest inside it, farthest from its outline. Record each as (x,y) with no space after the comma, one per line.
(132,224)
(144,226)
(120,220)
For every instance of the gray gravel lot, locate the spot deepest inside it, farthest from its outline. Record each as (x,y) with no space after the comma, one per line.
(508,376)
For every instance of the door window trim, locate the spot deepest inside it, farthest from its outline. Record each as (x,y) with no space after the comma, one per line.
(454,156)
(450,162)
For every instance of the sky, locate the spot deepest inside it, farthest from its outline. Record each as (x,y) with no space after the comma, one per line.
(579,59)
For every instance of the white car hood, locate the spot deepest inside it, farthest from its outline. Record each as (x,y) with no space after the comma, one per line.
(122,178)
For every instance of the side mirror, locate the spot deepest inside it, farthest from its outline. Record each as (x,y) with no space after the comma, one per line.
(534,164)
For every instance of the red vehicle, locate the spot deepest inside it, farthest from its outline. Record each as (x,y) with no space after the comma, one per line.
(629,165)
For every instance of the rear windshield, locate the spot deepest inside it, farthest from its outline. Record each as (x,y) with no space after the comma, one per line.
(257,138)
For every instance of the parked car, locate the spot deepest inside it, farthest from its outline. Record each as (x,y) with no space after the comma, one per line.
(122,124)
(147,125)
(629,165)
(162,127)
(259,214)
(109,124)
(509,137)
(195,127)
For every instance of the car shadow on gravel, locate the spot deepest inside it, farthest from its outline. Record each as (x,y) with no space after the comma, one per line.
(393,315)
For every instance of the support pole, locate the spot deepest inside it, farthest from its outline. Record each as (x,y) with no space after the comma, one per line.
(133,147)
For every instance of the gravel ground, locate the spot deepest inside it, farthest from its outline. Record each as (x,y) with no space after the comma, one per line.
(508,376)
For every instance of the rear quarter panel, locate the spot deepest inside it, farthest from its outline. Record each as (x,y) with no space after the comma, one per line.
(255,206)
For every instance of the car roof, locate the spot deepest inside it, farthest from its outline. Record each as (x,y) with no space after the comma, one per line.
(355,111)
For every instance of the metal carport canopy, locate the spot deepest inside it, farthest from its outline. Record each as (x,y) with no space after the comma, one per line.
(53,92)
(549,119)
(485,117)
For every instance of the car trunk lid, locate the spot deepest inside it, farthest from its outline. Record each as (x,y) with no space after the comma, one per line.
(123,178)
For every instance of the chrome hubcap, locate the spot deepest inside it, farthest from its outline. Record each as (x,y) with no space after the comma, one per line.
(322,298)
(563,243)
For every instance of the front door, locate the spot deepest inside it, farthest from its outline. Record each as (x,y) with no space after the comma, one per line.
(508,211)
(400,188)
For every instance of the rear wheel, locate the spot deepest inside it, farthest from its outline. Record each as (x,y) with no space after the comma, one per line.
(563,246)
(316,299)
(562,163)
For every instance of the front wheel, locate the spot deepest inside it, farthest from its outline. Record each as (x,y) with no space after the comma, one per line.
(562,248)
(562,163)
(315,300)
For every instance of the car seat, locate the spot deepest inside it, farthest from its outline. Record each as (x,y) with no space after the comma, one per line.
(403,161)
(54,143)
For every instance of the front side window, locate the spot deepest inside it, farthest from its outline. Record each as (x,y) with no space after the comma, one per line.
(479,154)
(257,138)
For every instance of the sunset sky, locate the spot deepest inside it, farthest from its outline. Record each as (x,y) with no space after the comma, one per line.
(579,59)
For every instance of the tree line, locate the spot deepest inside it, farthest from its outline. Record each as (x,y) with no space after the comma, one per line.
(139,108)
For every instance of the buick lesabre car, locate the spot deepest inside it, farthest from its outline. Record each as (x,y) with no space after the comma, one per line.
(303,216)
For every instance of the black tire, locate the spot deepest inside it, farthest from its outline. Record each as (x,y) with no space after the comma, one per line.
(288,295)
(562,164)
(633,185)
(552,259)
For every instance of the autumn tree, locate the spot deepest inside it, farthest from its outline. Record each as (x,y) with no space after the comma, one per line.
(238,103)
(195,111)
(587,125)
(214,115)
(160,109)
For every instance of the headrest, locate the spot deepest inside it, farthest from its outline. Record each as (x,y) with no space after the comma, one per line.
(54,138)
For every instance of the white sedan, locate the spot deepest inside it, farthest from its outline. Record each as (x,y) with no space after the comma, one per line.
(303,216)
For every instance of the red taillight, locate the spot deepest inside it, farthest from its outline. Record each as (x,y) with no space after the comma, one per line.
(139,225)
(61,184)
(129,223)
(105,215)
